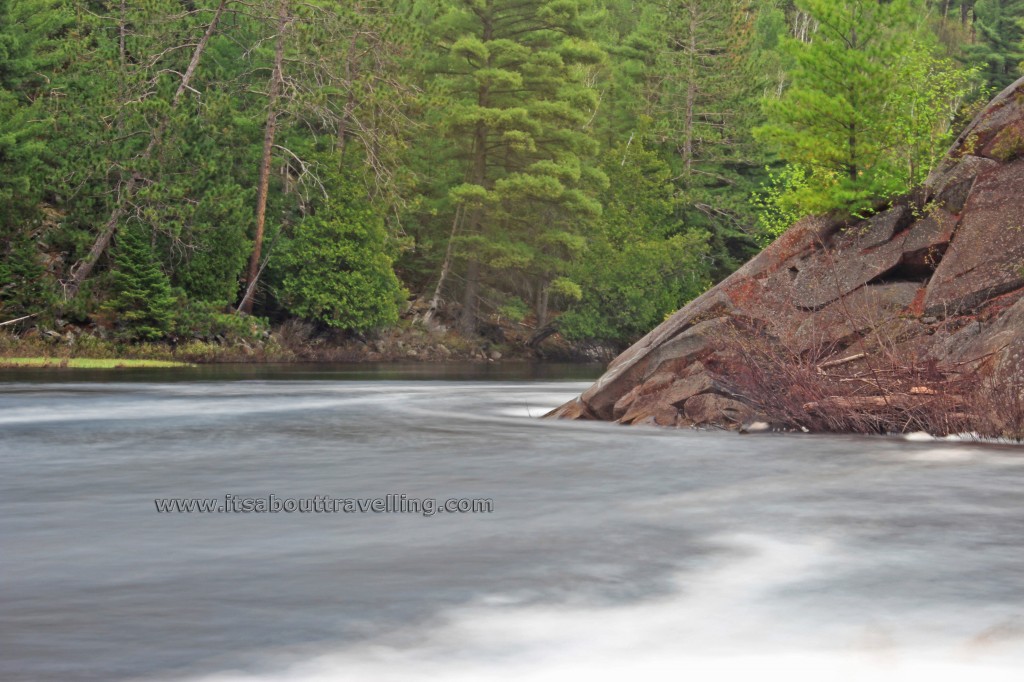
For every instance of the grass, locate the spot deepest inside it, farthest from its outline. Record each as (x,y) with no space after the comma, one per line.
(88,363)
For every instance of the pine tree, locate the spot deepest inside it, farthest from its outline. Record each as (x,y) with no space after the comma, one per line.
(28,49)
(639,264)
(999,49)
(833,119)
(516,107)
(142,298)
(139,75)
(703,110)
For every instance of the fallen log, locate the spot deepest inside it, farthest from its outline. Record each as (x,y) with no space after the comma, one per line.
(875,403)
(842,361)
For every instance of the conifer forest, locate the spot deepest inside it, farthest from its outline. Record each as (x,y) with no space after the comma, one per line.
(172,169)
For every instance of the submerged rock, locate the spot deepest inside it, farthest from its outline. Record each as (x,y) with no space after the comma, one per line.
(936,279)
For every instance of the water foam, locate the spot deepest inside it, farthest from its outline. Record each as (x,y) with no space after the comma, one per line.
(729,623)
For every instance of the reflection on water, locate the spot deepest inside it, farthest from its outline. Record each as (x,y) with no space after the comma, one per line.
(610,552)
(314,371)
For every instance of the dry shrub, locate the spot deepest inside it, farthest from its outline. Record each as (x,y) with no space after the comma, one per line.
(826,389)
(295,333)
(999,405)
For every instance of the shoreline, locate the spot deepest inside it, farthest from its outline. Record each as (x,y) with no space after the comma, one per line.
(410,344)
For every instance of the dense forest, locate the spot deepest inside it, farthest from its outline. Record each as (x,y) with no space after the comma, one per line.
(179,168)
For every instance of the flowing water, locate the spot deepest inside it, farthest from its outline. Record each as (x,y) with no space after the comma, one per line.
(610,552)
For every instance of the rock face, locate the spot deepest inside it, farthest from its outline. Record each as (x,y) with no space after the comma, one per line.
(938,276)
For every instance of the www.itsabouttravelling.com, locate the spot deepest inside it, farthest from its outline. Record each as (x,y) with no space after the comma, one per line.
(323,504)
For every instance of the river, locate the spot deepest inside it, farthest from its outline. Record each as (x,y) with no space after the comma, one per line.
(609,552)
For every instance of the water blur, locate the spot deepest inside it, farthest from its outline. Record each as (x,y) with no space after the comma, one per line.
(610,552)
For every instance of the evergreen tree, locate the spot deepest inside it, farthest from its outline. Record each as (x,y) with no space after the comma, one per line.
(142,299)
(833,119)
(999,46)
(639,264)
(337,270)
(710,79)
(516,107)
(28,50)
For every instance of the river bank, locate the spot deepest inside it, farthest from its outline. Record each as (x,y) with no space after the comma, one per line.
(297,342)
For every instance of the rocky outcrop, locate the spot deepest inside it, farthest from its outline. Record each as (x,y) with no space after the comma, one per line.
(937,277)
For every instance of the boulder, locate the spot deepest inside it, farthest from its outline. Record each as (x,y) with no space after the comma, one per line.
(717,410)
(987,256)
(937,278)
(857,256)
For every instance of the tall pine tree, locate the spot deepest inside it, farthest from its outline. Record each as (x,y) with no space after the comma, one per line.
(28,49)
(516,108)
(833,119)
(999,46)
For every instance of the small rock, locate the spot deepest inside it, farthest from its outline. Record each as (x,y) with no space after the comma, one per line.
(756,427)
(495,355)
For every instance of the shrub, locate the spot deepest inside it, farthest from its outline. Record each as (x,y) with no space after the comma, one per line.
(337,270)
(205,320)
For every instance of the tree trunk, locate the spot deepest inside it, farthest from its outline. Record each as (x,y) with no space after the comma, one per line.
(269,132)
(540,307)
(446,265)
(350,100)
(471,299)
(469,319)
(691,96)
(82,270)
(122,34)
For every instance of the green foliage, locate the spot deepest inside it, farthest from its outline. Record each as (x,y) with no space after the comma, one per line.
(999,48)
(204,320)
(832,119)
(515,310)
(142,298)
(24,286)
(27,49)
(517,104)
(782,201)
(337,270)
(591,156)
(920,110)
(687,78)
(640,265)
(869,110)
(202,223)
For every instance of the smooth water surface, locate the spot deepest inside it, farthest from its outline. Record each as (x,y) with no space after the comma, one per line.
(611,552)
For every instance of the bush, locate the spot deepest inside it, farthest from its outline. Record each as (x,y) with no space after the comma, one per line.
(627,292)
(205,320)
(337,270)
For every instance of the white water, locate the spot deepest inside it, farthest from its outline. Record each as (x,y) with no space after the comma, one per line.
(612,552)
